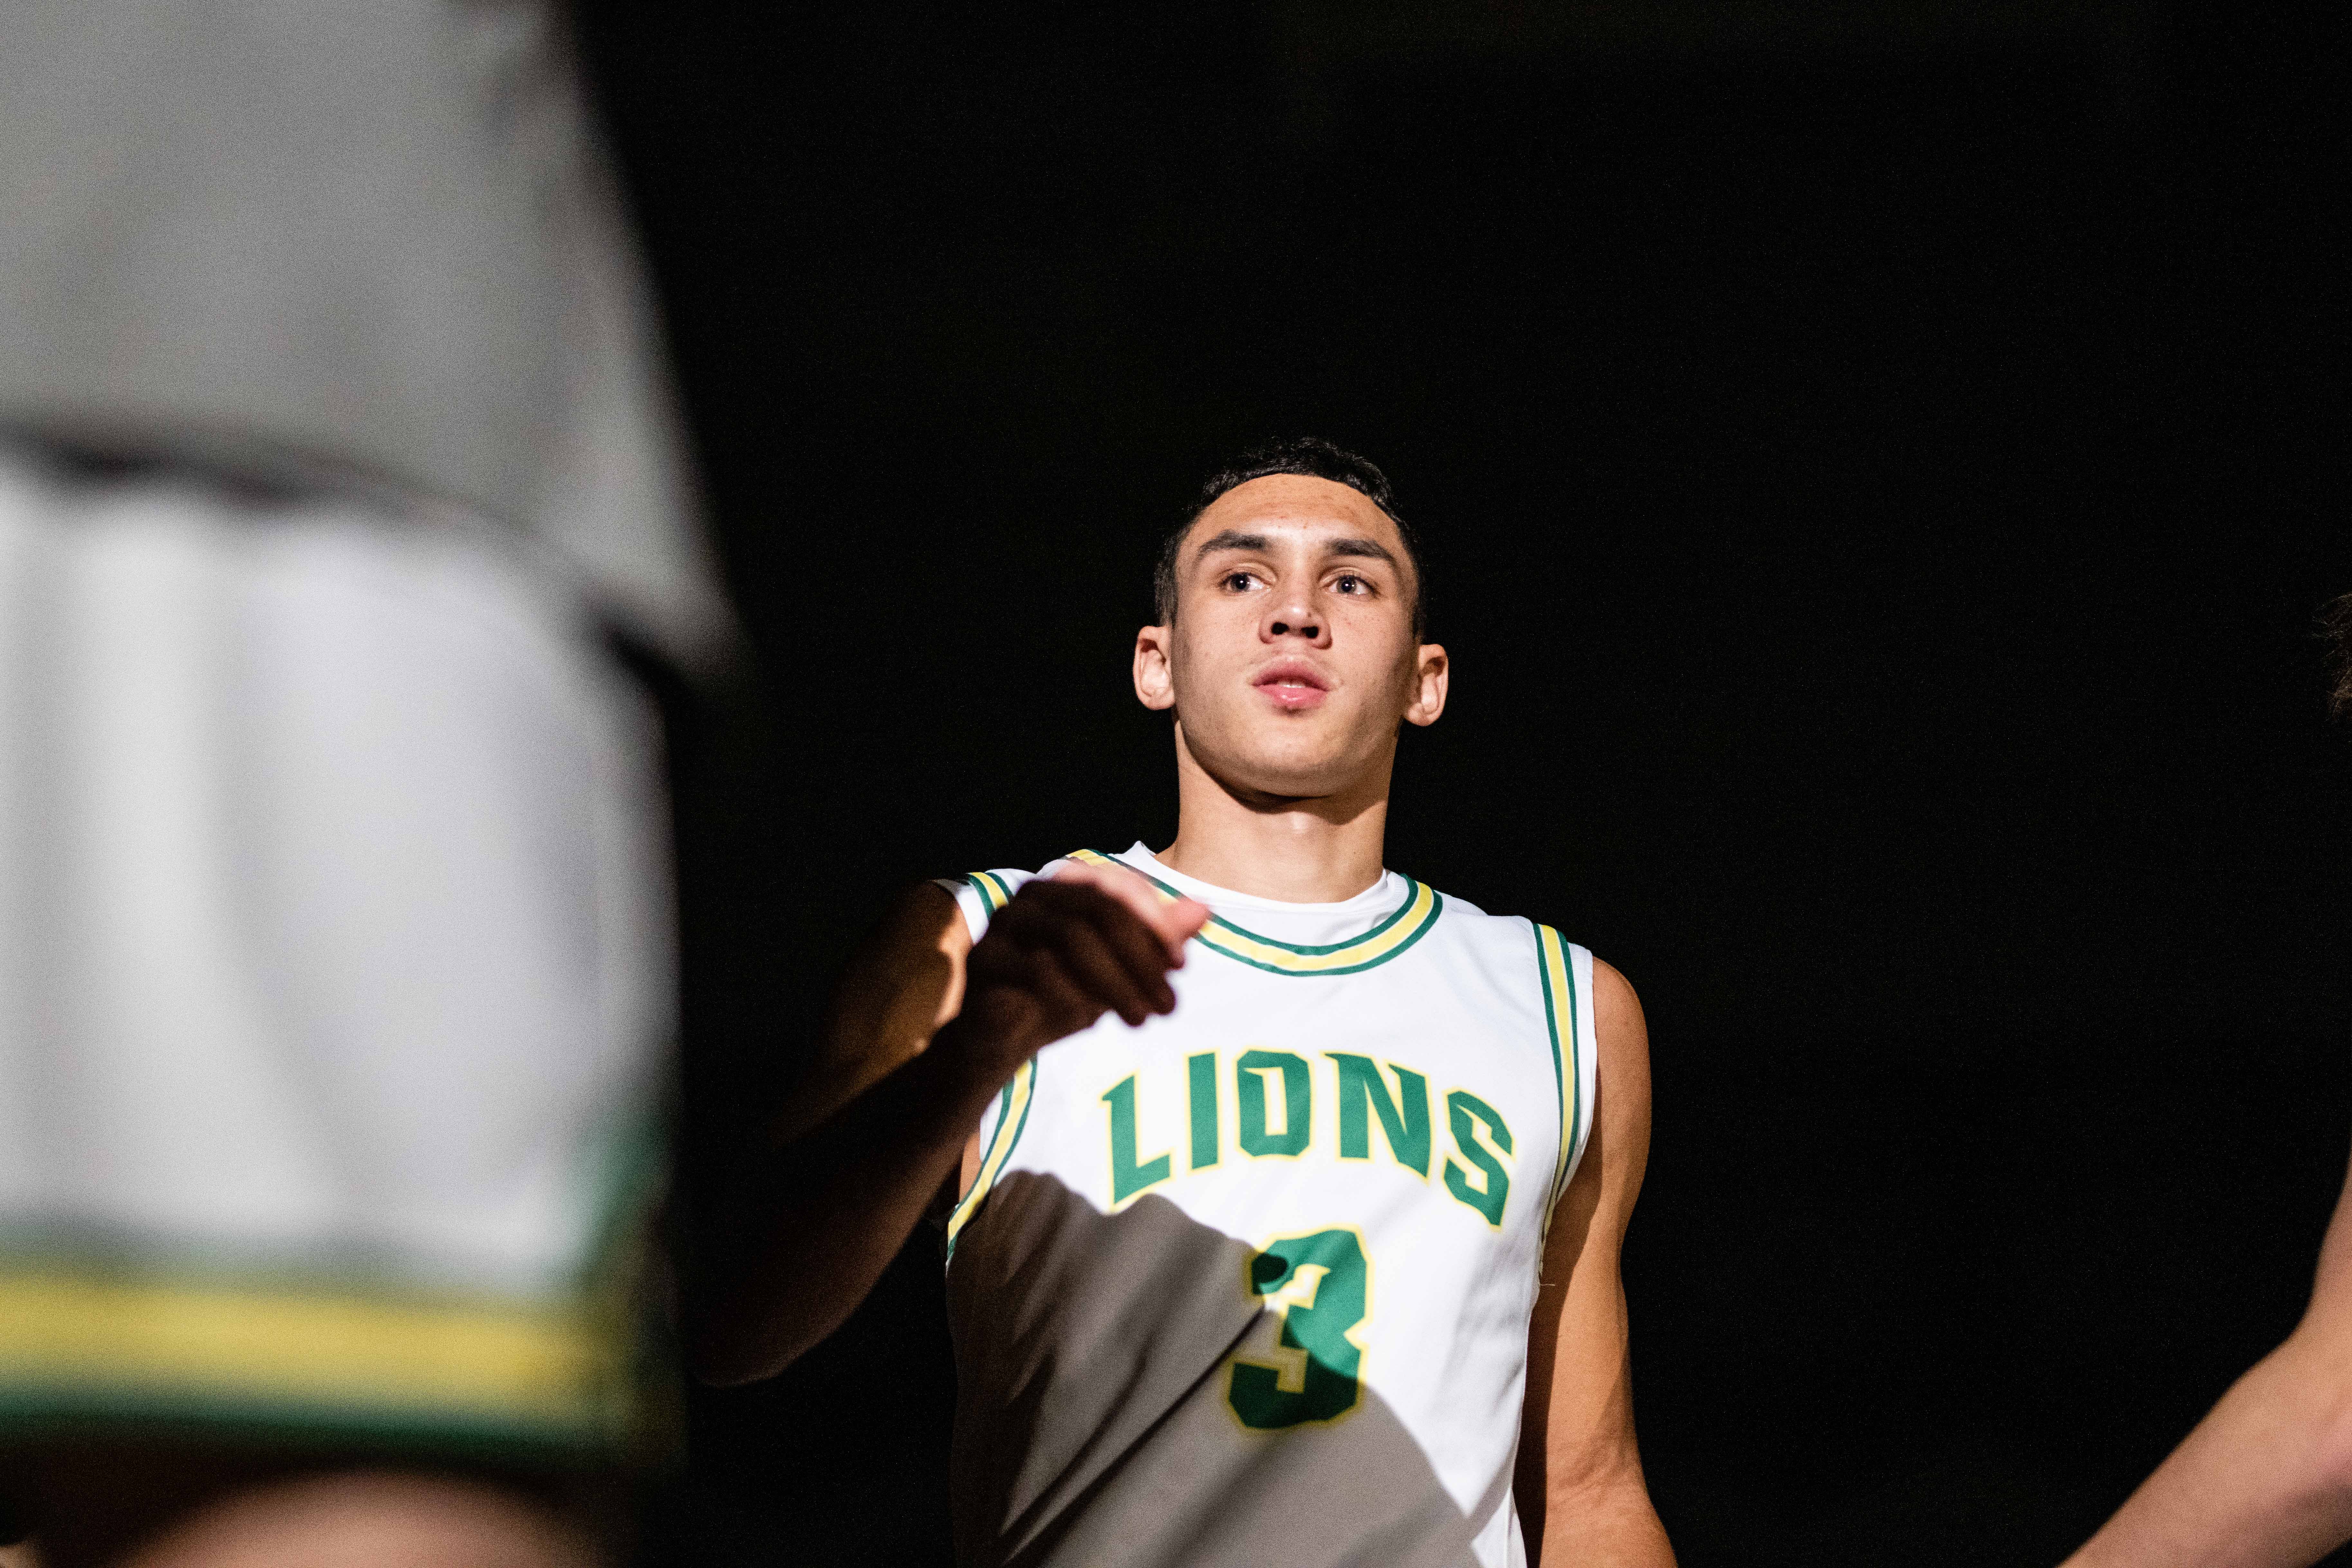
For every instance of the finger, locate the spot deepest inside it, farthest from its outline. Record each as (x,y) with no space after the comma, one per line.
(1139,947)
(1179,922)
(1046,909)
(1175,921)
(1116,881)
(1135,918)
(1038,910)
(1090,961)
(1064,1004)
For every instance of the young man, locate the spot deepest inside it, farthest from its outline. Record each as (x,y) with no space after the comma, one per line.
(1306,1252)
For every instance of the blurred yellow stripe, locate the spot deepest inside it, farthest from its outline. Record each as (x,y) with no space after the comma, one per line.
(540,1364)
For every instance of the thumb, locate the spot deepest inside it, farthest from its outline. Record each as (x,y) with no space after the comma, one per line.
(1175,920)
(1179,922)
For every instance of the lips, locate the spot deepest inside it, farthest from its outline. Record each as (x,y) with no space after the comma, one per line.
(1292,684)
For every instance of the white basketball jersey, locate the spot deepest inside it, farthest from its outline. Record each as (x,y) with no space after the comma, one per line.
(1251,1283)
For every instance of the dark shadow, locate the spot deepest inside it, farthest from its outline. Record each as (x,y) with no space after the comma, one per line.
(1092,1423)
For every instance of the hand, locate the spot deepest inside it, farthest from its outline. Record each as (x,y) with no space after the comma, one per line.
(1088,941)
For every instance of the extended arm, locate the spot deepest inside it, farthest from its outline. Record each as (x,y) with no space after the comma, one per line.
(1579,1486)
(922,1034)
(2266,1479)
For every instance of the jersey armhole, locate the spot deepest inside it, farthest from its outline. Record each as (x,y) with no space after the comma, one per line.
(1001,1130)
(1565,971)
(1588,1057)
(979,894)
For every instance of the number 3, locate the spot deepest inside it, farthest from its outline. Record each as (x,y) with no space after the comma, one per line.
(1320,1286)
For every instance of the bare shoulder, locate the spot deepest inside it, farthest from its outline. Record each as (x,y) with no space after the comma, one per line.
(1598,1202)
(922,921)
(1622,1103)
(904,981)
(1616,1010)
(918,948)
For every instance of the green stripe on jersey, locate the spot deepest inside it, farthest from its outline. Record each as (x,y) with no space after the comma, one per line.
(1559,978)
(1011,1121)
(1411,921)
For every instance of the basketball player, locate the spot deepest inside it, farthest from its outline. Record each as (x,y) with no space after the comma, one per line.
(1289,1232)
(2266,1479)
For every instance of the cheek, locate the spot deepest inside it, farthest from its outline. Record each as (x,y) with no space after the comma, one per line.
(1208,643)
(1192,668)
(1388,656)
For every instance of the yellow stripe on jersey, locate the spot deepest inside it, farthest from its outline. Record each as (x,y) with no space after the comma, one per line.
(1399,932)
(1560,1017)
(1013,1108)
(1012,1118)
(72,1341)
(993,892)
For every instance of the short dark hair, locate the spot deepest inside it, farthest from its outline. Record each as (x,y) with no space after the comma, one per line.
(1315,459)
(2336,627)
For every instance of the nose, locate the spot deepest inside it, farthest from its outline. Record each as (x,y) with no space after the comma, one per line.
(1291,617)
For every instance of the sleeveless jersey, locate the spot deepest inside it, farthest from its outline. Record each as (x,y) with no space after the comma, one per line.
(1251,1283)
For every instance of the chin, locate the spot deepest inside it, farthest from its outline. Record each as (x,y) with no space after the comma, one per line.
(1293,756)
(1300,769)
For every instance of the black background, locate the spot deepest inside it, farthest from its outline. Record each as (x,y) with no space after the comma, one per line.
(1881,464)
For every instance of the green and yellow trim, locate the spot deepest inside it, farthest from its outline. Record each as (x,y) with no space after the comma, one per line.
(1013,1107)
(1011,1121)
(1560,1020)
(76,1344)
(993,890)
(1410,922)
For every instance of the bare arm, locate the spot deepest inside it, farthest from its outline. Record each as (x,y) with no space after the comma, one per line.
(2266,1479)
(1579,1486)
(922,1032)
(903,984)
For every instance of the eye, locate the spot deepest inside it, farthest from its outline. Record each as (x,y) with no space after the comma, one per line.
(1239,582)
(1348,582)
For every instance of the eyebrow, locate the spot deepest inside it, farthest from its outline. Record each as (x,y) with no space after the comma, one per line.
(1231,539)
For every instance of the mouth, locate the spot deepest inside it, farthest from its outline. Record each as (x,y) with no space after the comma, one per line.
(1292,685)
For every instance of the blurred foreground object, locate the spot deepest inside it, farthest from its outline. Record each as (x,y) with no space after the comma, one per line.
(339,502)
(334,241)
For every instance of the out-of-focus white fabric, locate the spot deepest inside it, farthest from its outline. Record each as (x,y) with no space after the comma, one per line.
(334,929)
(372,236)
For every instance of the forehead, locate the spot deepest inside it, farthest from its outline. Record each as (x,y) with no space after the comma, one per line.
(1298,508)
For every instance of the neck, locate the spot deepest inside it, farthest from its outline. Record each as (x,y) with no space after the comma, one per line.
(1308,849)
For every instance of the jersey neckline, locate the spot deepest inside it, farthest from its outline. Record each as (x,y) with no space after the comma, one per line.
(1376,900)
(1404,925)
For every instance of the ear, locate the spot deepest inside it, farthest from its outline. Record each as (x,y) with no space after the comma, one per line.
(1155,680)
(1429,686)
